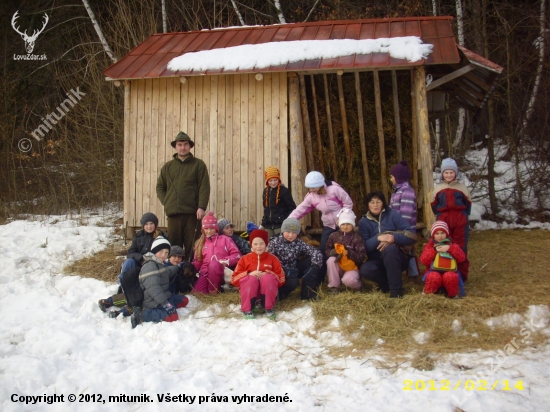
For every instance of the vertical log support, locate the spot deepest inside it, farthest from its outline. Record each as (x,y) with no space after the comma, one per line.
(317,128)
(344,122)
(330,133)
(414,140)
(126,187)
(380,126)
(396,115)
(306,124)
(423,129)
(362,132)
(297,156)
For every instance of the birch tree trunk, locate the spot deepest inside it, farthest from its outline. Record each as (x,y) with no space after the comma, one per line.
(437,121)
(279,11)
(539,43)
(164,25)
(238,13)
(99,32)
(461,111)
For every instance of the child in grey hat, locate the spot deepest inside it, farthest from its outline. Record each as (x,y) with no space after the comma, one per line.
(299,260)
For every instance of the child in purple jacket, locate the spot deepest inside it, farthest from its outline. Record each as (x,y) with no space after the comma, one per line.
(403,201)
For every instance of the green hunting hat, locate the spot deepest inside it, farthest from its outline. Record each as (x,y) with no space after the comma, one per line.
(184,137)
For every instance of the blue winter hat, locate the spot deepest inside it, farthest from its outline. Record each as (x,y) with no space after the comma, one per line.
(250,227)
(449,164)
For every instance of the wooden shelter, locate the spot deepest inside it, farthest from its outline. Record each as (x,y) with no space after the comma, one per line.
(245,120)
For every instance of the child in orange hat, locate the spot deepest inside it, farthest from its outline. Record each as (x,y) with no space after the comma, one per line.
(277,201)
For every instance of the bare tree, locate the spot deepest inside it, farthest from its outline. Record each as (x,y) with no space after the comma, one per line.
(238,13)
(279,12)
(164,25)
(461,111)
(99,32)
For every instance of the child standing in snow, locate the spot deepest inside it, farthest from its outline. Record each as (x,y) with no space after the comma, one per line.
(277,201)
(258,275)
(299,260)
(452,205)
(438,256)
(346,253)
(159,304)
(403,201)
(227,228)
(213,252)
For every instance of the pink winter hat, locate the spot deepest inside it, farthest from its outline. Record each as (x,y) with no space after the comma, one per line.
(210,222)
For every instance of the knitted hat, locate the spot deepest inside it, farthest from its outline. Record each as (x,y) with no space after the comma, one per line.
(271,173)
(158,244)
(346,216)
(314,180)
(176,251)
(149,217)
(449,164)
(183,137)
(291,225)
(223,223)
(210,222)
(439,225)
(401,171)
(259,233)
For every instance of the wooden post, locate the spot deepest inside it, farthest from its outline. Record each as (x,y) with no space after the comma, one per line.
(297,157)
(317,127)
(396,115)
(127,142)
(306,124)
(362,132)
(344,122)
(414,139)
(423,127)
(380,125)
(330,133)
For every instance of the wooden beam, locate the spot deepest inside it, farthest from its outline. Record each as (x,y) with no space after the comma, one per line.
(397,117)
(306,124)
(317,128)
(344,123)
(380,126)
(297,156)
(414,136)
(330,132)
(362,132)
(450,76)
(421,112)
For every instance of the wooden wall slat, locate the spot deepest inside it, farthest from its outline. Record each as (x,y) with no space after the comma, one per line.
(283,127)
(259,143)
(247,186)
(213,141)
(176,126)
(161,144)
(198,136)
(221,142)
(268,144)
(127,145)
(236,148)
(154,203)
(140,136)
(275,117)
(254,168)
(191,112)
(228,153)
(145,177)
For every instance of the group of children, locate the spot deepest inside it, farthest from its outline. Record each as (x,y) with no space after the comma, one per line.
(271,264)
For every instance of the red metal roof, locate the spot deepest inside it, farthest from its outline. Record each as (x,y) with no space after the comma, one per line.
(150,58)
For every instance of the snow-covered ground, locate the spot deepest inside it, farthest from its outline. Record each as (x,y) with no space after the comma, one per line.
(55,340)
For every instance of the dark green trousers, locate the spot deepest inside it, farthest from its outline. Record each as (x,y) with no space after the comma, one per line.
(183,230)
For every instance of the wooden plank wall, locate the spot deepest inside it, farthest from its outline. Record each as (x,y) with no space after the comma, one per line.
(239,125)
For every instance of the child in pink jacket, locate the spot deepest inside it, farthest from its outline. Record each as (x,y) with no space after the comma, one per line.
(212,253)
(326,196)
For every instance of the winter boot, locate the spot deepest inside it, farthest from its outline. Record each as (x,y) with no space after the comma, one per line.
(114,313)
(105,304)
(248,315)
(136,317)
(270,314)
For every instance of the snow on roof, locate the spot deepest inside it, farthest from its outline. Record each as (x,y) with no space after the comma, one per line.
(258,56)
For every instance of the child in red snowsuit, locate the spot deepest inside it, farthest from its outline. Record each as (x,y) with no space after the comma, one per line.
(435,278)
(258,275)
(452,205)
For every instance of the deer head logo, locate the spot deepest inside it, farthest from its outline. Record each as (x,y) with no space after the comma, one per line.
(29,40)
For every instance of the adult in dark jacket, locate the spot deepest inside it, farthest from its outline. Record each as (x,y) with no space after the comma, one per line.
(277,200)
(387,260)
(159,304)
(183,188)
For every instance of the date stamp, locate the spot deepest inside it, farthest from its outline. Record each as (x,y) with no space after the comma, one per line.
(469,385)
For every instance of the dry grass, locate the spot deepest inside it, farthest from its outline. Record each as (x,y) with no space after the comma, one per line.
(104,265)
(508,272)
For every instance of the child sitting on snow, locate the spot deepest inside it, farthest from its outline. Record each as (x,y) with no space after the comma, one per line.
(159,304)
(213,253)
(346,253)
(299,260)
(441,258)
(258,275)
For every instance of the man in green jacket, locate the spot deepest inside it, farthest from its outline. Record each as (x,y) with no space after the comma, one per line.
(183,187)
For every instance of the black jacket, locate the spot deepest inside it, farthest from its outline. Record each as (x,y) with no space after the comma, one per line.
(274,214)
(141,244)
